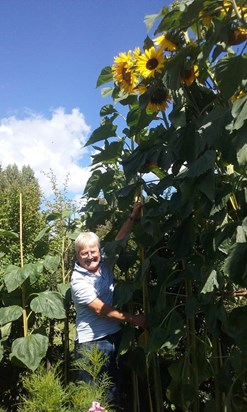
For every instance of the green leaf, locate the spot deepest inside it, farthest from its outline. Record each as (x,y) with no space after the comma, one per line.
(240,144)
(239,112)
(166,335)
(107,109)
(211,283)
(50,304)
(105,76)
(204,163)
(7,233)
(98,181)
(9,314)
(236,264)
(150,19)
(206,184)
(51,263)
(15,276)
(30,350)
(111,153)
(229,83)
(102,133)
(182,241)
(42,233)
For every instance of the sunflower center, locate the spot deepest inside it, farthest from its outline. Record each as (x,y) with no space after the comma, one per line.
(126,75)
(158,96)
(152,64)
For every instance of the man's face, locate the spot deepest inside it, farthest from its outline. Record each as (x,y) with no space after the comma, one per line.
(89,258)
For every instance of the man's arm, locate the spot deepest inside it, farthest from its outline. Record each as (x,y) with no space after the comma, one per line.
(129,223)
(103,309)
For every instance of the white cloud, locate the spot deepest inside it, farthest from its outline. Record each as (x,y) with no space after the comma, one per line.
(45,144)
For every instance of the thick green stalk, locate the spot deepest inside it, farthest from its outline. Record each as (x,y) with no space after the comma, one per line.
(23,288)
(217,360)
(191,349)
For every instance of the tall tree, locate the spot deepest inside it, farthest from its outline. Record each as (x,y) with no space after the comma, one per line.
(14,181)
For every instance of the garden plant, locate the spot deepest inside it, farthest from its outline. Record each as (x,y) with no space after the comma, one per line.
(172,133)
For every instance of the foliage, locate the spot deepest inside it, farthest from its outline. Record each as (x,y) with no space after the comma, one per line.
(44,390)
(182,147)
(13,182)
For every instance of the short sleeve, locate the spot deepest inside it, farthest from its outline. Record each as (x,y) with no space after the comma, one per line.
(83,291)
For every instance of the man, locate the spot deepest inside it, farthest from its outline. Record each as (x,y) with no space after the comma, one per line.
(92,286)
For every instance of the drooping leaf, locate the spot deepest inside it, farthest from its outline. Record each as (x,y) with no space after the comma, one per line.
(50,304)
(30,350)
(10,313)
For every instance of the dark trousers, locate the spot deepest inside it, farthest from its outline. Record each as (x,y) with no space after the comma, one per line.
(109,345)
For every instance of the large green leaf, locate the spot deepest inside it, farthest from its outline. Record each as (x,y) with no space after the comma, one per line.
(30,350)
(239,112)
(204,163)
(98,181)
(224,70)
(50,304)
(240,144)
(166,335)
(10,313)
(110,154)
(102,133)
(8,233)
(51,263)
(183,239)
(15,276)
(236,264)
(105,76)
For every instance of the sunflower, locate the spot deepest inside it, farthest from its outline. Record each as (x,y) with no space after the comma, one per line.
(123,73)
(237,96)
(164,43)
(150,62)
(158,97)
(237,36)
(189,73)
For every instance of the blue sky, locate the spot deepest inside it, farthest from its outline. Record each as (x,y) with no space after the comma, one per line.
(52,52)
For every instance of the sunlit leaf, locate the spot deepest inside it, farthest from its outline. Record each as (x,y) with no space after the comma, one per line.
(50,304)
(10,313)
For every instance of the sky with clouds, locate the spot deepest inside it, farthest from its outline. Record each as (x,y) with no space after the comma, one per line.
(52,52)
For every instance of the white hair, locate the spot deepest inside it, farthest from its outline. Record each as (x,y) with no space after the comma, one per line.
(86,239)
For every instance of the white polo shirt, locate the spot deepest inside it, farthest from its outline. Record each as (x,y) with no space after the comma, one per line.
(85,287)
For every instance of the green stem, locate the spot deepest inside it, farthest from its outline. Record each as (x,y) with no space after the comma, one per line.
(23,288)
(192,350)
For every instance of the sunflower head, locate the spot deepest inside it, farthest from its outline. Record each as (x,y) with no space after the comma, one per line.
(189,72)
(150,62)
(123,72)
(157,98)
(165,43)
(238,96)
(236,36)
